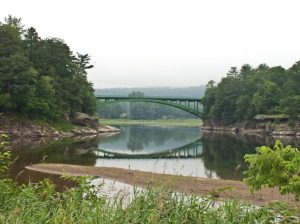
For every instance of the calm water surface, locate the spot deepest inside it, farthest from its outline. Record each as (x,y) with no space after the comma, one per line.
(173,150)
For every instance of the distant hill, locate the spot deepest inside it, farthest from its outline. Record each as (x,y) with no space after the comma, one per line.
(197,91)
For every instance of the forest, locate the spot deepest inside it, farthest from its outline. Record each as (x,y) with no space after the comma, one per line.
(41,78)
(247,92)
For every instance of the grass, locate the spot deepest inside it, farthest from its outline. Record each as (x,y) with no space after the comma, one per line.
(272,116)
(58,126)
(162,122)
(40,203)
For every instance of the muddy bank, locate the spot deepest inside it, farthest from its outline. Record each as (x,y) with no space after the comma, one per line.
(200,186)
(22,129)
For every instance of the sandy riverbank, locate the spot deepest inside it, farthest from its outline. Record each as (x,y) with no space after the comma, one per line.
(200,186)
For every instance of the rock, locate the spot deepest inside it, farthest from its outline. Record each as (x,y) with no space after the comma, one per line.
(283,133)
(86,120)
(112,129)
(269,128)
(207,127)
(234,130)
(27,129)
(55,133)
(84,131)
(108,128)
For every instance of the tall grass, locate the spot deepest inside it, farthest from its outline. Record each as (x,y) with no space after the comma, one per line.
(40,203)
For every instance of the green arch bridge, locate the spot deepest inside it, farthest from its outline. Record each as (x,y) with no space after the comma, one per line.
(190,105)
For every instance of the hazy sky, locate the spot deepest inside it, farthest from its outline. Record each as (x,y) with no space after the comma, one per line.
(167,42)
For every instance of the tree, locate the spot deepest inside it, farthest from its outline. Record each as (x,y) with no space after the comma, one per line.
(136,94)
(17,76)
(41,77)
(262,67)
(242,108)
(291,106)
(10,39)
(210,84)
(84,62)
(264,90)
(208,99)
(32,45)
(233,72)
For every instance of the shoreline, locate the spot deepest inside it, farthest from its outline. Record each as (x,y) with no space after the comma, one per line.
(184,184)
(255,127)
(21,128)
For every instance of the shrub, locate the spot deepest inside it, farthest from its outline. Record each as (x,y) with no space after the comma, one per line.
(278,166)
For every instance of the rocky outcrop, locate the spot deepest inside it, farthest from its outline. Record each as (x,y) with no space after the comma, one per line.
(255,127)
(108,128)
(86,120)
(16,128)
(21,128)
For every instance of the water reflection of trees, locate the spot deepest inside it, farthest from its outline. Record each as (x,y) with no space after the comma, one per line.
(78,152)
(223,152)
(68,151)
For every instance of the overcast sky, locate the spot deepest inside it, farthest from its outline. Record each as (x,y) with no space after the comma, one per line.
(167,42)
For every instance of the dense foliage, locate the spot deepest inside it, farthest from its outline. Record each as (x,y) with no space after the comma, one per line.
(244,93)
(41,78)
(279,167)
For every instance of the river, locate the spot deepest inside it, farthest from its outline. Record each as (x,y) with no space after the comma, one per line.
(171,149)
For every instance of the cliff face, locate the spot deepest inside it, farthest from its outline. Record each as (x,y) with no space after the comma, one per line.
(255,126)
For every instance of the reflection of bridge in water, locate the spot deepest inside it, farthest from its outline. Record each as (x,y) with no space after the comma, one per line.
(191,150)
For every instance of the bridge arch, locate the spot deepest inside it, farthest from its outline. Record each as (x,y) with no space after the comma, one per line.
(190,150)
(190,105)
